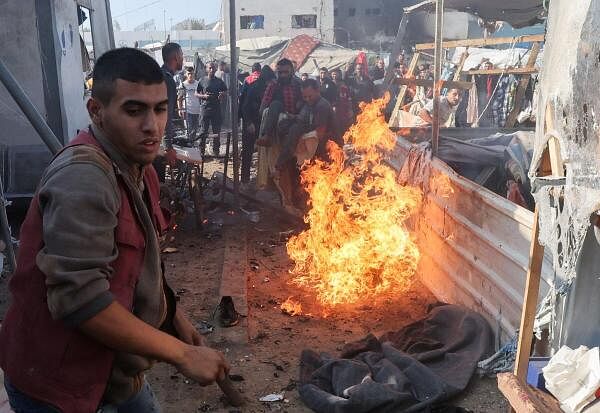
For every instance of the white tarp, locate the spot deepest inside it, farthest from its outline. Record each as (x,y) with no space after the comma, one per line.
(501,58)
(257,43)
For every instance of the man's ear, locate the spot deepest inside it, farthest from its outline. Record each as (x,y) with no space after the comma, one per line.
(94,108)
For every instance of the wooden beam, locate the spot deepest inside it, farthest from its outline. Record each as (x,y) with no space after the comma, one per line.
(524,398)
(403,89)
(530,300)
(522,87)
(536,256)
(459,66)
(513,71)
(429,83)
(490,41)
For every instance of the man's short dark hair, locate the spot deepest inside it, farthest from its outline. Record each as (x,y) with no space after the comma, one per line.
(397,65)
(256,67)
(285,62)
(189,69)
(169,50)
(127,64)
(311,83)
(324,69)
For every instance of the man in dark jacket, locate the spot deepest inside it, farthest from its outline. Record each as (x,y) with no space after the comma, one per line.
(212,91)
(328,88)
(91,310)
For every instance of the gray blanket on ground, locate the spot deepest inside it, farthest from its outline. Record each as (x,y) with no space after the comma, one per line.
(409,370)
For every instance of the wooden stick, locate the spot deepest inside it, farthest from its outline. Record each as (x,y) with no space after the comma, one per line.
(430,83)
(509,71)
(402,93)
(483,42)
(233,395)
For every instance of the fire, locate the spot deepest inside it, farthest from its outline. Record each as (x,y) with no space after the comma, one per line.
(291,307)
(357,245)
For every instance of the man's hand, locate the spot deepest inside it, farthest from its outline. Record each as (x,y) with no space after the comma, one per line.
(171,156)
(203,365)
(187,333)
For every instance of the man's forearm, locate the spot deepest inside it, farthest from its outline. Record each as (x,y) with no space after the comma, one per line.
(120,330)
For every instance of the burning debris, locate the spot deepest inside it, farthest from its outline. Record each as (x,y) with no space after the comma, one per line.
(291,307)
(357,245)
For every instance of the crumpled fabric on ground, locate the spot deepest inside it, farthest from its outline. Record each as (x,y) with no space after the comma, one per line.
(409,370)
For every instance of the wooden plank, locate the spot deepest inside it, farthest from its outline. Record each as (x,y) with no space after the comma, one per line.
(535,265)
(403,89)
(556,162)
(532,287)
(522,87)
(459,66)
(524,398)
(490,41)
(511,71)
(429,83)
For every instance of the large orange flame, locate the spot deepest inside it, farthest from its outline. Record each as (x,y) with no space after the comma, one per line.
(357,244)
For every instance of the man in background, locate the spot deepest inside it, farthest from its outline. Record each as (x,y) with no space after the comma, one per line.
(211,91)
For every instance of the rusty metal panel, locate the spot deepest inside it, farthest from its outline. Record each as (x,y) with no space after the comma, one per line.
(474,246)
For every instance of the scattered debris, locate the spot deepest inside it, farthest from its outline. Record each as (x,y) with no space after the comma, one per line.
(236,377)
(204,327)
(274,397)
(170,250)
(291,307)
(291,386)
(254,265)
(266,279)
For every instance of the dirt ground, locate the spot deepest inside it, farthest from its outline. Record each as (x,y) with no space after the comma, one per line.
(264,348)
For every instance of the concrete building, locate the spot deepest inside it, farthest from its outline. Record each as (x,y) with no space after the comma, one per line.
(360,23)
(258,18)
(41,46)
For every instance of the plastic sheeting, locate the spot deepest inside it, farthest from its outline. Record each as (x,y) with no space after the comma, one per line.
(501,58)
(519,13)
(267,50)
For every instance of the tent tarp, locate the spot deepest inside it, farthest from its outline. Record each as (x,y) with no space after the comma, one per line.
(519,13)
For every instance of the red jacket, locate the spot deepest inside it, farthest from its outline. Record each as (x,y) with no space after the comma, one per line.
(42,357)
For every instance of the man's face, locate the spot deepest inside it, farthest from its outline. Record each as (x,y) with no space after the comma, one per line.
(453,97)
(335,76)
(380,64)
(310,95)
(304,77)
(284,73)
(211,71)
(189,76)
(134,120)
(488,66)
(323,75)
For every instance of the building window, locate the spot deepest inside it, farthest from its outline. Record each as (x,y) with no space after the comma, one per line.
(376,12)
(252,22)
(351,12)
(304,21)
